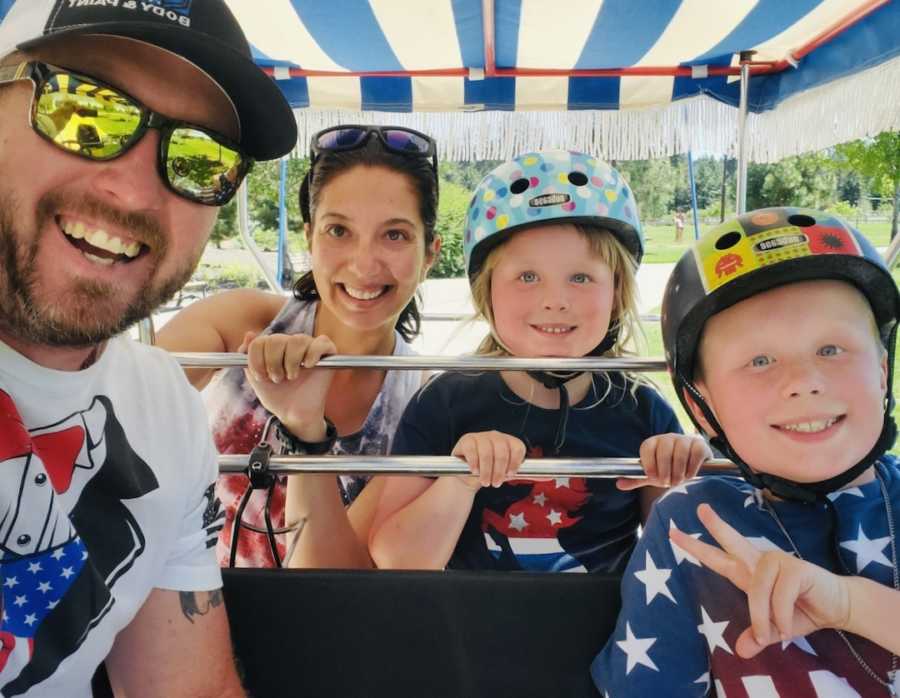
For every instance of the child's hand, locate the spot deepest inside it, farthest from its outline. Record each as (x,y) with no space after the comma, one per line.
(788,597)
(492,456)
(668,459)
(279,368)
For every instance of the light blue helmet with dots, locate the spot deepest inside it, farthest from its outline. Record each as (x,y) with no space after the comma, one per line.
(550,186)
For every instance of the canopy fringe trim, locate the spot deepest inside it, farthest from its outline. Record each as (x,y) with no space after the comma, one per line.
(856,106)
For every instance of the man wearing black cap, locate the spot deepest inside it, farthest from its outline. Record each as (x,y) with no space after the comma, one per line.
(124,125)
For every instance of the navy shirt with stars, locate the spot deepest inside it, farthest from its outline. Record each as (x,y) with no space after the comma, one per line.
(565,524)
(679,621)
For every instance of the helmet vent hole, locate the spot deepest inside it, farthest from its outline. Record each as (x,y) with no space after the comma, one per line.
(801,221)
(579,179)
(519,186)
(728,240)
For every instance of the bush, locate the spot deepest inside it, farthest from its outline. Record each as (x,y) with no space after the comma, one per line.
(230,276)
(845,210)
(451,226)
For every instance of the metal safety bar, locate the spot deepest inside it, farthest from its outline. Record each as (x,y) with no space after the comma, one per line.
(440,363)
(435,466)
(462,317)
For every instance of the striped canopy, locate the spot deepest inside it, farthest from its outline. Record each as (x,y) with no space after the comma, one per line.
(621,78)
(626,78)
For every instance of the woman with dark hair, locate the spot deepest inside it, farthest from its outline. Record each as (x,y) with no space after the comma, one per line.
(369,204)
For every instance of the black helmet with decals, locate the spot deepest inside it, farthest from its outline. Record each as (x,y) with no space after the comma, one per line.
(755,252)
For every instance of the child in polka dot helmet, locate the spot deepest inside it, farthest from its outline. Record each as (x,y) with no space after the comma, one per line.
(552,246)
(557,188)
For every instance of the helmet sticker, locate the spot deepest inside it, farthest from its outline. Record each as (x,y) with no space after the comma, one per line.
(768,238)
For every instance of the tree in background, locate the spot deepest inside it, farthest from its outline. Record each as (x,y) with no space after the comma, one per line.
(653,183)
(451,221)
(878,160)
(466,174)
(264,181)
(804,180)
(226,224)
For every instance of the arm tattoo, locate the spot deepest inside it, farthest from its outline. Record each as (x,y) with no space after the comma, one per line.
(199,603)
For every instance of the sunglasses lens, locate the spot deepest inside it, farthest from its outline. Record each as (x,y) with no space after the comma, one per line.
(406,141)
(93,121)
(341,138)
(201,168)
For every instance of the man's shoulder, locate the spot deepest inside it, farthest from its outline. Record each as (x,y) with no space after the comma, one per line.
(142,364)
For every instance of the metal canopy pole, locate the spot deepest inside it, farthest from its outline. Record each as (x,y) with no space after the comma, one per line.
(741,204)
(892,252)
(243,205)
(694,215)
(282,223)
(146,331)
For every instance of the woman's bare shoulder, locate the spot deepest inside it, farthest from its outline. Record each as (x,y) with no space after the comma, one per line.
(219,322)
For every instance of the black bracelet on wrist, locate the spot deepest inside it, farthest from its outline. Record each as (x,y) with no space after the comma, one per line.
(292,446)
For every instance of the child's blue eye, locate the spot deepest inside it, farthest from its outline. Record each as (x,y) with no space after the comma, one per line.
(760,361)
(335,231)
(529,277)
(581,278)
(829,350)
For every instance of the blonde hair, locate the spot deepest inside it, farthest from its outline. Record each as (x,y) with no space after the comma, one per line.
(624,317)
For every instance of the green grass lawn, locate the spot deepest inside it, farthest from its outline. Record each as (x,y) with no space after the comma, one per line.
(655,349)
(660,246)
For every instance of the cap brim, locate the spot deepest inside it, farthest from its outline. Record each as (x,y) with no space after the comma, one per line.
(268,126)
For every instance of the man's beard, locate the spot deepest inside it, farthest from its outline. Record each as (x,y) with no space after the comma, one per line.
(91,311)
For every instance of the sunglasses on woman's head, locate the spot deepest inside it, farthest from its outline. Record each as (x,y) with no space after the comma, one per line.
(394,139)
(98,122)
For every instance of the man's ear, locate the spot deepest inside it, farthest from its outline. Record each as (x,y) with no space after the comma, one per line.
(696,412)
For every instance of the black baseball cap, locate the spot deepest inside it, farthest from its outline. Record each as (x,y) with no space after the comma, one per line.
(203,32)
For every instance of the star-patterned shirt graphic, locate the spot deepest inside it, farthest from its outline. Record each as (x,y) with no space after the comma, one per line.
(679,623)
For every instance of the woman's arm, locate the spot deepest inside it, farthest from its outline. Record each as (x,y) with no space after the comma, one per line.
(333,536)
(419,521)
(218,324)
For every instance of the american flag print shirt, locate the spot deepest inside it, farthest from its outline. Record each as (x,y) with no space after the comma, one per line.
(680,621)
(237,419)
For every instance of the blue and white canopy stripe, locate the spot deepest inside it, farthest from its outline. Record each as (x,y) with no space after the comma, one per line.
(393,35)
(846,88)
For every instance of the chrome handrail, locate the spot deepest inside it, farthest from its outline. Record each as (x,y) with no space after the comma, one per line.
(462,317)
(440,363)
(435,466)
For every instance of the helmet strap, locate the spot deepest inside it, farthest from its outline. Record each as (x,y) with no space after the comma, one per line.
(609,341)
(558,379)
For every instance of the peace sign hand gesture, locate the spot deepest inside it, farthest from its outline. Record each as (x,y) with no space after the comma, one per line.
(788,597)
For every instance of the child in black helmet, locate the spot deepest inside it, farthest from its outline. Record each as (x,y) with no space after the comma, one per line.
(779,329)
